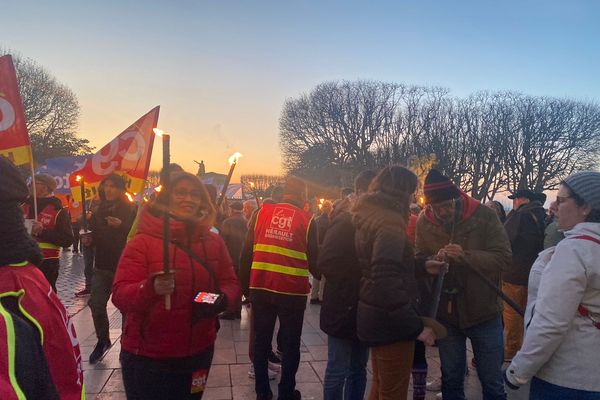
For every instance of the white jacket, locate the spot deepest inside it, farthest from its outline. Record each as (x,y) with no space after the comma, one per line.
(561,346)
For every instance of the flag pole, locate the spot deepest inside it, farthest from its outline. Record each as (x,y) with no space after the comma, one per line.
(35,207)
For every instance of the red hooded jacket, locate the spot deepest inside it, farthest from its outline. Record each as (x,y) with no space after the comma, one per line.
(39,304)
(150,330)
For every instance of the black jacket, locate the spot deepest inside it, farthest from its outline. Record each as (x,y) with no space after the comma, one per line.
(525,228)
(108,241)
(339,265)
(233,231)
(386,309)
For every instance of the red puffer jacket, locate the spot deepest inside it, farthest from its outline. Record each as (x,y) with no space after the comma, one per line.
(150,330)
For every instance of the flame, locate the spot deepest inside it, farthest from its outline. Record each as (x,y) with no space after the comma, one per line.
(158,188)
(235,157)
(129,197)
(422,199)
(145,199)
(321,201)
(78,178)
(251,185)
(158,132)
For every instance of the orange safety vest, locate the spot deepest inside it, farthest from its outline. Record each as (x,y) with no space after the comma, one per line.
(280,262)
(47,216)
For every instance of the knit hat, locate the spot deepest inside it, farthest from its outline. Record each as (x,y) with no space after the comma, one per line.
(46,180)
(439,187)
(586,184)
(16,245)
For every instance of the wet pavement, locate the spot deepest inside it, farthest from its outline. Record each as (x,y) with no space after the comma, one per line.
(228,378)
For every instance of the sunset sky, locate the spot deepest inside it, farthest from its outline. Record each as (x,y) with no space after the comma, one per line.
(221,70)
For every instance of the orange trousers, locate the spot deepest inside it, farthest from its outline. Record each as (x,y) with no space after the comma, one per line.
(392,365)
(513,322)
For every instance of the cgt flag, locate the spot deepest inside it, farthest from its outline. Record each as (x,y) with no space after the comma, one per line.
(127,155)
(14,140)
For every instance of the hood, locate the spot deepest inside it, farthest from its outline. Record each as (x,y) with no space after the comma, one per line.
(469,205)
(584,229)
(151,223)
(375,209)
(43,202)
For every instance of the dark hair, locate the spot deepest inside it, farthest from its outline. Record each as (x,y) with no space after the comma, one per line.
(362,181)
(207,209)
(594,215)
(397,182)
(173,167)
(500,210)
(294,188)
(347,191)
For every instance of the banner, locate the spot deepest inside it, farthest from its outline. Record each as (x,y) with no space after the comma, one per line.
(127,155)
(14,140)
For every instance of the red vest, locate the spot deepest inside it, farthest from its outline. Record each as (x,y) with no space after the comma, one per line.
(280,262)
(47,217)
(41,306)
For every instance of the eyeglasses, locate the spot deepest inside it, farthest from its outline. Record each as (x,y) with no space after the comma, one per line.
(562,199)
(182,194)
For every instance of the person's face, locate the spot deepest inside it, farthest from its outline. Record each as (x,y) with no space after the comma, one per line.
(111,192)
(568,213)
(186,199)
(40,188)
(444,210)
(519,201)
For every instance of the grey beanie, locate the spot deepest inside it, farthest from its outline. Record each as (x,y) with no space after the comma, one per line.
(586,184)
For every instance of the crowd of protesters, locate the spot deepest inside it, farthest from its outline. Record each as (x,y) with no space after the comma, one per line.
(391,277)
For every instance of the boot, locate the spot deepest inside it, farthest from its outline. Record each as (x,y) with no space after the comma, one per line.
(100,350)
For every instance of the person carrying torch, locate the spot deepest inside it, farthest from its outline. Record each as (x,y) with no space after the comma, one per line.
(167,353)
(459,234)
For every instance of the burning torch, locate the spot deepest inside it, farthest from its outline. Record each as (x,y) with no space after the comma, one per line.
(233,160)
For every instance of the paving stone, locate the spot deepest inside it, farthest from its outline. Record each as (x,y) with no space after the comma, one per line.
(95,379)
(306,373)
(217,393)
(111,396)
(114,383)
(224,356)
(319,353)
(219,376)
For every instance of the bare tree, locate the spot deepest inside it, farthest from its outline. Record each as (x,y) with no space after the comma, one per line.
(487,143)
(51,111)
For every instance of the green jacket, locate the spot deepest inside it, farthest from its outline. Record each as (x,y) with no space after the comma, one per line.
(466,301)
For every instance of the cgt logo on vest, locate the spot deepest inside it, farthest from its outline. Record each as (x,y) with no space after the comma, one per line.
(281,225)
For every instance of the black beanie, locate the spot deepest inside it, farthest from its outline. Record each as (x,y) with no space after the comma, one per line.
(16,245)
(439,187)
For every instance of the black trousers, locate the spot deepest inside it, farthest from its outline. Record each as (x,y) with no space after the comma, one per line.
(49,268)
(166,379)
(264,314)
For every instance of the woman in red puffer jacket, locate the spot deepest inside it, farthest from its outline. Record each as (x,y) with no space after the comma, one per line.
(166,354)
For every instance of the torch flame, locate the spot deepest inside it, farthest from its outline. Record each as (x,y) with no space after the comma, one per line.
(129,197)
(158,132)
(251,184)
(78,178)
(234,158)
(158,188)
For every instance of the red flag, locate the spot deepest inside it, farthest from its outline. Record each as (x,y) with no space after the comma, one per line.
(14,140)
(127,155)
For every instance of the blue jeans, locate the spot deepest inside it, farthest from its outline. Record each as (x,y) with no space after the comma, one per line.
(542,390)
(488,348)
(346,373)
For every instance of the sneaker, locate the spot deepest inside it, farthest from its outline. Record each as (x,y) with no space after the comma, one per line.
(99,351)
(84,292)
(252,375)
(434,386)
